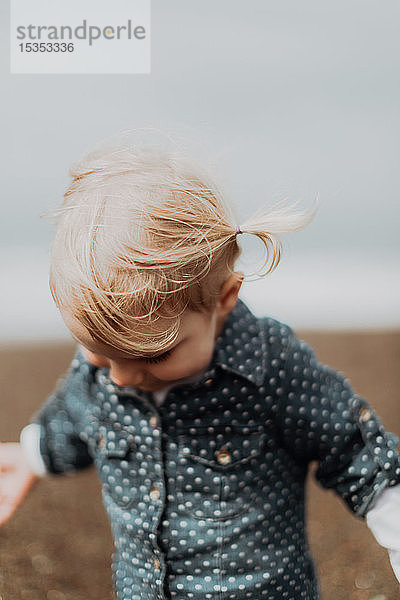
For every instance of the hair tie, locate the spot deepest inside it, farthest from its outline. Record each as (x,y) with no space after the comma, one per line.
(238,230)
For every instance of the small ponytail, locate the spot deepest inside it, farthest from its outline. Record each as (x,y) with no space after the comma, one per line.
(270,221)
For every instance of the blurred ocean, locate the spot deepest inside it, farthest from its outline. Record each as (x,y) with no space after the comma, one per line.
(307,291)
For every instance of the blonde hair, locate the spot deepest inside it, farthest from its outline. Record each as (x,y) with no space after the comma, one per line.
(141,237)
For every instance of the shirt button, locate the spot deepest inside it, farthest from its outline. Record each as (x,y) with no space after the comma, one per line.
(365,415)
(223,455)
(155,493)
(156,562)
(153,421)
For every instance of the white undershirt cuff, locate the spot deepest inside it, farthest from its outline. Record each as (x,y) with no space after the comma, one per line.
(30,443)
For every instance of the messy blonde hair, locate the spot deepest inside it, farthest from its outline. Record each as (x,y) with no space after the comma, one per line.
(141,237)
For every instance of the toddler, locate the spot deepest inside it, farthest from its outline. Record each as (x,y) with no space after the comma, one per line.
(200,418)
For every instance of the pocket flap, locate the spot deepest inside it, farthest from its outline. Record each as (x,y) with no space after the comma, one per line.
(115,443)
(222,447)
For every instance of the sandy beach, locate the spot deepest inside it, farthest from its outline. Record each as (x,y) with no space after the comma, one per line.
(58,545)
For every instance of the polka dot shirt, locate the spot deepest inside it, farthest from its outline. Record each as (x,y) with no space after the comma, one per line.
(205,493)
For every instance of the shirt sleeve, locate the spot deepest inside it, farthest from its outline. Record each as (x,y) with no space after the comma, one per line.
(63,445)
(384,522)
(323,420)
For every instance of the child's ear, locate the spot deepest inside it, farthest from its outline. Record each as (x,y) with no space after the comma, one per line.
(229,294)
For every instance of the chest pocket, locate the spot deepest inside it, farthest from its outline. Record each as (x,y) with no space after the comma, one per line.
(114,456)
(219,470)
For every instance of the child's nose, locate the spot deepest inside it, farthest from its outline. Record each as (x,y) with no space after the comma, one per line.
(125,374)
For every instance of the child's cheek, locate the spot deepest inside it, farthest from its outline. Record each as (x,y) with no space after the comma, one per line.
(185,364)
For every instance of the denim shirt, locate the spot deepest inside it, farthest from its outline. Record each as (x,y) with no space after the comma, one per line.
(205,494)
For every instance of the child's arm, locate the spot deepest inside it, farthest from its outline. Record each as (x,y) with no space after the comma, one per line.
(63,418)
(51,445)
(324,420)
(16,478)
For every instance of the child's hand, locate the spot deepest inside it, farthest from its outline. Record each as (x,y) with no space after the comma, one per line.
(15,478)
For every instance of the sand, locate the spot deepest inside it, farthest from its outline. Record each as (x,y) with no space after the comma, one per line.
(57,546)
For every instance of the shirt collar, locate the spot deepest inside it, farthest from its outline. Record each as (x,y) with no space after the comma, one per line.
(241,346)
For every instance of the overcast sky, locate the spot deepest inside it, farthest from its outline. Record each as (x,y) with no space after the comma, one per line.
(278,99)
